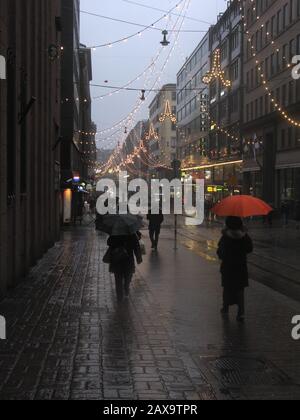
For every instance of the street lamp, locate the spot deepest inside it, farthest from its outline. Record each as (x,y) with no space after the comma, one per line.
(165,42)
(143,95)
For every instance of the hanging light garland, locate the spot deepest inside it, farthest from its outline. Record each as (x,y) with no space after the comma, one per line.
(140,103)
(152,133)
(138,34)
(254,53)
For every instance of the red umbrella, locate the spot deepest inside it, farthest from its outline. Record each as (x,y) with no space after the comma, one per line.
(242,206)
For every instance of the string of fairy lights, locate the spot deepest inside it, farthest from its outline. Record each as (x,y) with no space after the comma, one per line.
(254,53)
(152,131)
(216,73)
(157,82)
(112,159)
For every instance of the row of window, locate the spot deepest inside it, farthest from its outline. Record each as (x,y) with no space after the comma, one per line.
(289,138)
(231,43)
(273,64)
(228,106)
(192,129)
(202,52)
(287,94)
(198,148)
(225,21)
(194,83)
(258,7)
(197,103)
(274,27)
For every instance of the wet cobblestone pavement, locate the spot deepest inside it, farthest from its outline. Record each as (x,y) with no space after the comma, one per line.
(68,338)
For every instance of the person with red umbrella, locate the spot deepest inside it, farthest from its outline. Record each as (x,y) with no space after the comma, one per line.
(233,249)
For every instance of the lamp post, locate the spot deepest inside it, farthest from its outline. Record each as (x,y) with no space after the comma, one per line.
(176,165)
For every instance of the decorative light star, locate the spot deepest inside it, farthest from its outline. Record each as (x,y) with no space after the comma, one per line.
(216,73)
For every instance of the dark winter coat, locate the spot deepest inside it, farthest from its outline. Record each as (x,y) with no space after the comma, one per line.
(132,246)
(233,249)
(155,220)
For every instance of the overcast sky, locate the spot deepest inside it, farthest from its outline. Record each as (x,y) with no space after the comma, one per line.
(116,66)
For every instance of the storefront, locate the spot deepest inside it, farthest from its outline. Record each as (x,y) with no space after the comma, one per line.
(221,179)
(288,187)
(253,183)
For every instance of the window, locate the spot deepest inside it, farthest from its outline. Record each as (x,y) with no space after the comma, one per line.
(235,40)
(235,71)
(279,22)
(234,103)
(283,138)
(224,51)
(285,16)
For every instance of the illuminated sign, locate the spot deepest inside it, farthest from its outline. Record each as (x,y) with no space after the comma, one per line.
(212,189)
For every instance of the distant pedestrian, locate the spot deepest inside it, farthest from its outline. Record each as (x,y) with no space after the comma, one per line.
(233,249)
(155,222)
(285,212)
(207,209)
(121,256)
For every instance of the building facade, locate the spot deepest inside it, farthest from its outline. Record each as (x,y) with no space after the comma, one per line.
(226,99)
(272,102)
(192,111)
(88,128)
(76,125)
(163,130)
(30,39)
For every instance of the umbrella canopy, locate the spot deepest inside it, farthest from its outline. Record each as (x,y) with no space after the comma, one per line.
(242,206)
(121,225)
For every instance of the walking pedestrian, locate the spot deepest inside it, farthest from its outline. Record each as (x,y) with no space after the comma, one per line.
(233,249)
(155,222)
(121,256)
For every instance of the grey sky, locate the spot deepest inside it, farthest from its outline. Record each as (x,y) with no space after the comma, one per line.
(125,61)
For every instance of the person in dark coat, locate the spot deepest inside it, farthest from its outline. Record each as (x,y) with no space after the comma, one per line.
(233,249)
(155,222)
(124,250)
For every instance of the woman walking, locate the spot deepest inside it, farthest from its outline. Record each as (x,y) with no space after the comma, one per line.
(233,249)
(122,253)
